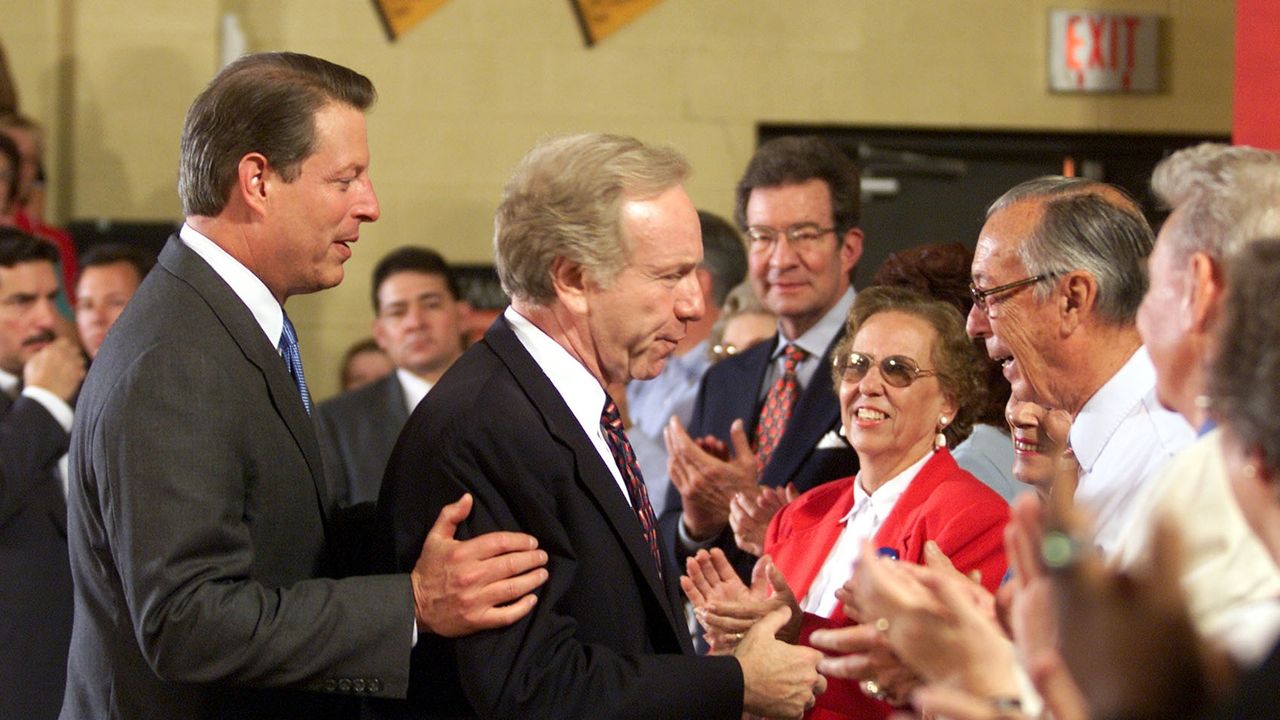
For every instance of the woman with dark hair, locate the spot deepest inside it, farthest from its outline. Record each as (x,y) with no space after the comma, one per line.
(910,386)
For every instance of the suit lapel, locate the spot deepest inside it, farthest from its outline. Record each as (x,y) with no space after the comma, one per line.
(57,500)
(816,412)
(594,477)
(245,331)
(393,404)
(748,374)
(717,410)
(896,532)
(813,544)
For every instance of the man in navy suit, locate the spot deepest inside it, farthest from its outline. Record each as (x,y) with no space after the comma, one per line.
(418,323)
(770,416)
(38,377)
(597,245)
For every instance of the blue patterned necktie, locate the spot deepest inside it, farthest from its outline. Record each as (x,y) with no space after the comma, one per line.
(625,457)
(293,360)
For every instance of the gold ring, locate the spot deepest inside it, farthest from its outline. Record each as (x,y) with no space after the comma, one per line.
(882,625)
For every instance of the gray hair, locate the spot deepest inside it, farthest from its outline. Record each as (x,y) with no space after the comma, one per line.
(564,200)
(1090,226)
(1246,369)
(1226,195)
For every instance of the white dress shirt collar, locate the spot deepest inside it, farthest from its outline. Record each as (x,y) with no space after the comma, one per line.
(413,387)
(817,339)
(9,383)
(247,286)
(579,388)
(861,523)
(881,502)
(1110,405)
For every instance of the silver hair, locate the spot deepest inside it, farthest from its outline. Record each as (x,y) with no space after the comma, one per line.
(1225,195)
(1246,369)
(564,200)
(1090,226)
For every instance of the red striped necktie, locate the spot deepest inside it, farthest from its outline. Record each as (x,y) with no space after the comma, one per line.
(625,457)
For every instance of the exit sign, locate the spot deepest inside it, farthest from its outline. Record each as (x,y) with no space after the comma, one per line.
(1103,52)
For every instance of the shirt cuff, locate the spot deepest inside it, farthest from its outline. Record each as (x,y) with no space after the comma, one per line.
(56,406)
(687,543)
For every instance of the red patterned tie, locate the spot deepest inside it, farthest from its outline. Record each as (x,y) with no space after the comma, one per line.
(625,457)
(777,406)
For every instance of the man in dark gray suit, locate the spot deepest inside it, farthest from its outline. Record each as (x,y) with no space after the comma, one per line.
(197,528)
(38,377)
(418,323)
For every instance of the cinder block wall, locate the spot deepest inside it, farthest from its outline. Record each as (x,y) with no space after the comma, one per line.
(464,94)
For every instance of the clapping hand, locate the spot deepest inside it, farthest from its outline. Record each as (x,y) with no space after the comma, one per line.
(727,609)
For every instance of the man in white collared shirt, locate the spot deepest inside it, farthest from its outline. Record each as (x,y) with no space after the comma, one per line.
(39,375)
(1058,277)
(419,319)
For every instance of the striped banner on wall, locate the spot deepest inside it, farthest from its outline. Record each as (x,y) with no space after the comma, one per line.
(601,18)
(399,16)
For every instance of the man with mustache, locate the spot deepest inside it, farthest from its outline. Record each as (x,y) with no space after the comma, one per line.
(39,375)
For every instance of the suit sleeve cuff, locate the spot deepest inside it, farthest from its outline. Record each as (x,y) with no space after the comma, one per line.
(56,406)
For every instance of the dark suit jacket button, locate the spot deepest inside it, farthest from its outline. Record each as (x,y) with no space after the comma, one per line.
(375,685)
(358,685)
(330,685)
(344,685)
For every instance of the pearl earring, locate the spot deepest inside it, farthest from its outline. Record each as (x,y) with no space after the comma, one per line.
(940,440)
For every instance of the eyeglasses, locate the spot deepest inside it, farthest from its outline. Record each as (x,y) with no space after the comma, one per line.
(897,370)
(802,236)
(980,296)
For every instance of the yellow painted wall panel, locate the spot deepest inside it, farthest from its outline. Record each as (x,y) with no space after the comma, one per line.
(466,92)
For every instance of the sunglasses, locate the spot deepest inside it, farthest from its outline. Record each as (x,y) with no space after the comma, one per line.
(897,370)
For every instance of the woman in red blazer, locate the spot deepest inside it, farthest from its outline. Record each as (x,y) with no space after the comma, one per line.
(910,383)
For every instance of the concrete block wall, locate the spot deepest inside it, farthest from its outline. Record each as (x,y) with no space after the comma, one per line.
(467,92)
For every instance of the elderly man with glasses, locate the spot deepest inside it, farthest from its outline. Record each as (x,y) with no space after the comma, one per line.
(1057,280)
